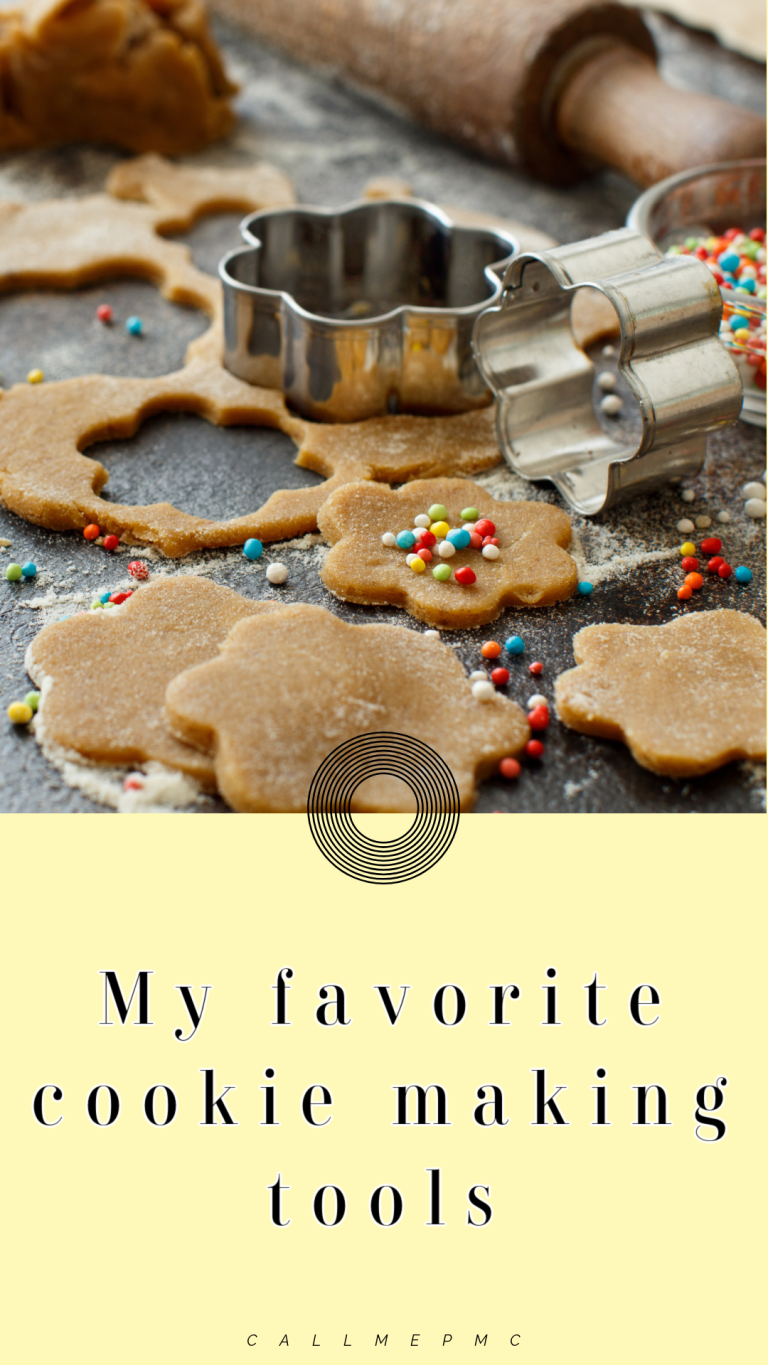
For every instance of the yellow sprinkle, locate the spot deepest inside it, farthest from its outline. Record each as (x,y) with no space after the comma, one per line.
(439,528)
(35,377)
(19,713)
(418,565)
(688,548)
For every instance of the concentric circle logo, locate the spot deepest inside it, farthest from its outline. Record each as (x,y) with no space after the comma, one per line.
(329,807)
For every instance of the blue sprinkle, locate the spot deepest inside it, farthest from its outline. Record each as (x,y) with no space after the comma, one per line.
(105,596)
(746,285)
(742,574)
(253,549)
(135,326)
(514,645)
(406,539)
(460,538)
(729,260)
(737,322)
(28,570)
(585,589)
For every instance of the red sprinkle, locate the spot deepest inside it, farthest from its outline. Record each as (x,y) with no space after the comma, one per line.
(484,527)
(92,531)
(725,571)
(500,676)
(714,564)
(133,784)
(138,569)
(119,597)
(536,668)
(491,649)
(476,541)
(427,540)
(111,542)
(490,540)
(465,576)
(534,748)
(426,555)
(711,546)
(688,563)
(104,313)
(538,718)
(509,767)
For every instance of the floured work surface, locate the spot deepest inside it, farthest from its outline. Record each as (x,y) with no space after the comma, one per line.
(331,144)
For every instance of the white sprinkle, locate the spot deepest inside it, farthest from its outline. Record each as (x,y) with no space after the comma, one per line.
(409,559)
(483,691)
(724,517)
(753,490)
(703,522)
(479,675)
(755,508)
(468,526)
(431,634)
(685,526)
(389,538)
(422,520)
(446,550)
(688,495)
(611,404)
(537,700)
(277,573)
(608,351)
(490,552)
(606,381)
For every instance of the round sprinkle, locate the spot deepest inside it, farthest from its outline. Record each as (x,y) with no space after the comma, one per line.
(611,404)
(417,564)
(689,563)
(108,606)
(742,574)
(92,531)
(585,588)
(439,529)
(484,527)
(460,538)
(703,522)
(483,691)
(713,564)
(29,570)
(688,548)
(442,573)
(277,573)
(725,571)
(13,573)
(536,668)
(138,569)
(437,512)
(35,377)
(724,517)
(606,381)
(96,604)
(490,540)
(500,677)
(684,593)
(534,748)
(111,542)
(711,546)
(466,576)
(755,508)
(490,650)
(134,326)
(32,700)
(21,714)
(105,597)
(694,580)
(446,550)
(536,700)
(475,540)
(469,514)
(509,767)
(406,539)
(427,540)
(431,634)
(685,526)
(479,675)
(409,559)
(104,313)
(688,495)
(422,520)
(514,645)
(490,552)
(389,538)
(753,490)
(426,555)
(608,351)
(538,717)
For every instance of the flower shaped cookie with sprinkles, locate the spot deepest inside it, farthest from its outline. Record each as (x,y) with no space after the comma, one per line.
(287,689)
(685,697)
(445,550)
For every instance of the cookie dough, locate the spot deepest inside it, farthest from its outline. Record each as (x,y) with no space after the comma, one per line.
(45,478)
(533,568)
(135,73)
(180,195)
(103,675)
(289,688)
(685,697)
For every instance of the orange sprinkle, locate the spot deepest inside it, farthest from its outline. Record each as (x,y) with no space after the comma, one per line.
(491,650)
(694,580)
(685,592)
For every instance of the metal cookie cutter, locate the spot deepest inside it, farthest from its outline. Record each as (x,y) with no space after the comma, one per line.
(356,312)
(681,375)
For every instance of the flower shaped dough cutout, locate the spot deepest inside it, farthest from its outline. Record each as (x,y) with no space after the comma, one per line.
(533,568)
(287,689)
(103,675)
(45,479)
(685,697)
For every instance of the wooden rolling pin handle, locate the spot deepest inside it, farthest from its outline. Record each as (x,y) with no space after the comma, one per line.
(614,108)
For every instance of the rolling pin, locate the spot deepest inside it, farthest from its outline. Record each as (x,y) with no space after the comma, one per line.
(557,87)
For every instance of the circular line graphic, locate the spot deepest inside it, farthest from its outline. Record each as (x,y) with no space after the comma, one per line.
(383,753)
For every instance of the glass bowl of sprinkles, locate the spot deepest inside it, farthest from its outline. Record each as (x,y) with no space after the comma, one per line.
(717,213)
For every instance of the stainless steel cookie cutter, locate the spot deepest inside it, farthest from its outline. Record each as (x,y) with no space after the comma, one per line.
(681,375)
(357,311)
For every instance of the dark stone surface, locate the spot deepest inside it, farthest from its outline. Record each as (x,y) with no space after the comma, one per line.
(331,141)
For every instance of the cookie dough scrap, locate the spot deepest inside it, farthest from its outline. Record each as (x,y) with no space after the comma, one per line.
(181,194)
(685,697)
(103,675)
(137,74)
(338,680)
(46,479)
(533,568)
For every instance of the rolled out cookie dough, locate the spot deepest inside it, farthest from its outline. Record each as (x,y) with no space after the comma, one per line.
(533,568)
(103,675)
(685,697)
(45,479)
(266,741)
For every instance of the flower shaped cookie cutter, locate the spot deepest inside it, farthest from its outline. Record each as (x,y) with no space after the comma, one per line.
(361,310)
(683,379)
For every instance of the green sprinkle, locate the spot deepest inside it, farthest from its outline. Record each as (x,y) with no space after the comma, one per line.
(96,603)
(469,514)
(32,700)
(437,512)
(13,573)
(442,573)
(108,606)
(691,243)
